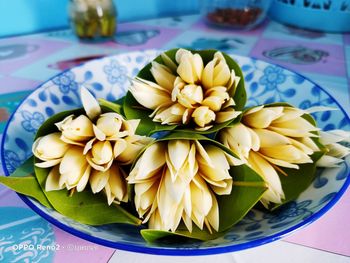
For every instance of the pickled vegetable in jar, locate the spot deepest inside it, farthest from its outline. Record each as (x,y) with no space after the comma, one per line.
(93,19)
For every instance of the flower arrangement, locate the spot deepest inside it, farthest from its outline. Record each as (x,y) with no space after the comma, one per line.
(180,153)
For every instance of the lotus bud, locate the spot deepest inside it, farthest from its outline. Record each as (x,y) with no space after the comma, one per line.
(260,117)
(190,67)
(74,168)
(113,126)
(149,95)
(216,72)
(189,95)
(170,115)
(126,150)
(76,130)
(50,149)
(100,157)
(203,116)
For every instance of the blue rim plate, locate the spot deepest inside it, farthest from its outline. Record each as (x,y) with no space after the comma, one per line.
(107,78)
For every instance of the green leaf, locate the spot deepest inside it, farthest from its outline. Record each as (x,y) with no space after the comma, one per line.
(153,236)
(133,110)
(248,187)
(85,207)
(108,106)
(24,182)
(297,181)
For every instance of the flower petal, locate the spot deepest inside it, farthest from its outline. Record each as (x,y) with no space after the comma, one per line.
(270,138)
(329,161)
(168,62)
(117,184)
(119,147)
(274,192)
(148,96)
(163,76)
(84,179)
(213,215)
(227,115)
(73,165)
(48,164)
(178,151)
(288,153)
(151,160)
(49,147)
(90,104)
(52,180)
(262,118)
(98,180)
(78,129)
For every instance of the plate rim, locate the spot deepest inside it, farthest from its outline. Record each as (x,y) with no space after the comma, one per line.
(164,250)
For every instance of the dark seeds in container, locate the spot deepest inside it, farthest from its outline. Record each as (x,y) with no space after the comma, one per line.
(234,17)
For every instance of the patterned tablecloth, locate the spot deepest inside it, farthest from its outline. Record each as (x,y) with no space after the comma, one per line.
(27,61)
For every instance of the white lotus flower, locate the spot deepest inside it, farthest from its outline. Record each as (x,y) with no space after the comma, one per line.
(269,139)
(179,179)
(336,151)
(188,91)
(90,149)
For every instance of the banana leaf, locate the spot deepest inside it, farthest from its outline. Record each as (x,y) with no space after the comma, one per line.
(133,109)
(24,182)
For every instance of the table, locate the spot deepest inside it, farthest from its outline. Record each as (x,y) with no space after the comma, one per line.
(27,61)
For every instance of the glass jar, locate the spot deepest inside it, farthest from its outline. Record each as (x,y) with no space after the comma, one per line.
(236,14)
(93,19)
